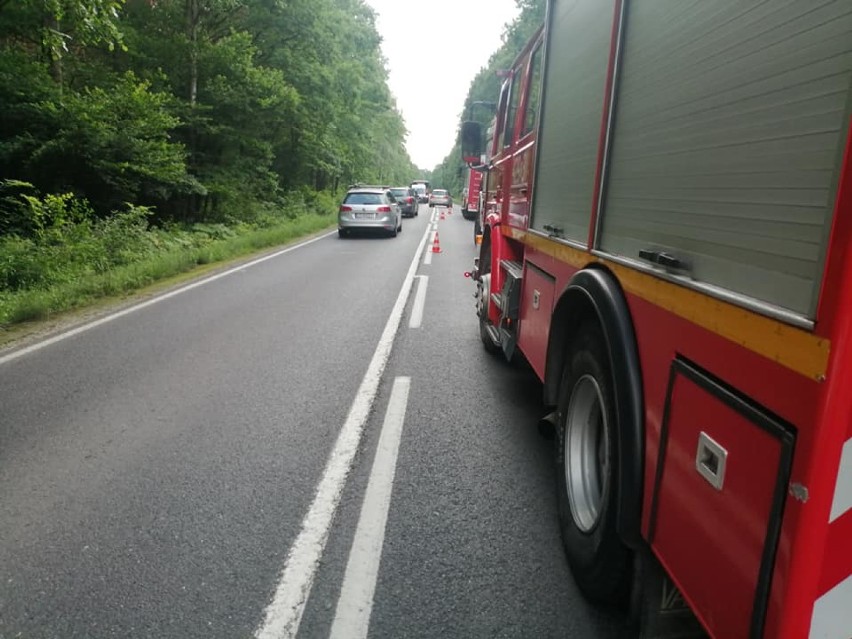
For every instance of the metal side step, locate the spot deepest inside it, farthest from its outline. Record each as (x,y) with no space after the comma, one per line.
(493,333)
(508,342)
(511,292)
(513,269)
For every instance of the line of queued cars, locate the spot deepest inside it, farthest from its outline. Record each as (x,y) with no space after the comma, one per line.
(381,208)
(376,208)
(368,208)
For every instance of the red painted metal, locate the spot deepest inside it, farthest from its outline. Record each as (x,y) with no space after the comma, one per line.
(474,183)
(711,544)
(710,540)
(510,175)
(536,307)
(828,559)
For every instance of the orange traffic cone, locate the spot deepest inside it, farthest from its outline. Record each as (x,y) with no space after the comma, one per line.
(436,244)
(443,216)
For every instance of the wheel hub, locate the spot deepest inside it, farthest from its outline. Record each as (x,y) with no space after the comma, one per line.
(586,453)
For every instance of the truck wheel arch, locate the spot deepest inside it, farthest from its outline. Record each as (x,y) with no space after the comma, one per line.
(595,293)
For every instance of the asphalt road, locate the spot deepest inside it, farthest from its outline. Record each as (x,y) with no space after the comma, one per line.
(198,467)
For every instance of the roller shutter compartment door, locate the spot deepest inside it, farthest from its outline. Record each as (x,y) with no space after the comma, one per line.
(730,123)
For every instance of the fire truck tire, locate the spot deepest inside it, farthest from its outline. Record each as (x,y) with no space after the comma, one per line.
(488,343)
(587,482)
(484,301)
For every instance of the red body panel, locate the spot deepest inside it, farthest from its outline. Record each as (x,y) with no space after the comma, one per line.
(473,184)
(715,566)
(536,308)
(714,540)
(661,337)
(833,426)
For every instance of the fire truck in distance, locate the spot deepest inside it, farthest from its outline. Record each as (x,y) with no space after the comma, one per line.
(666,241)
(470,203)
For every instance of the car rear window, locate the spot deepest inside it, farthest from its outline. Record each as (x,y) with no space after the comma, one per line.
(439,192)
(363,198)
(399,192)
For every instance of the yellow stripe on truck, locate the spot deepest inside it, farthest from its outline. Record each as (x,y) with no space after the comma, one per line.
(792,347)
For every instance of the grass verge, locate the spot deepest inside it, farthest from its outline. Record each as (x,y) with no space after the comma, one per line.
(40,304)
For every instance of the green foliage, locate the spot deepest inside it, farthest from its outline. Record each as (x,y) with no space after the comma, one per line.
(58,26)
(122,238)
(162,254)
(206,110)
(60,240)
(141,138)
(114,144)
(485,87)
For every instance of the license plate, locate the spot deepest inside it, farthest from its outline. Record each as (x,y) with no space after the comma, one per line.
(365,216)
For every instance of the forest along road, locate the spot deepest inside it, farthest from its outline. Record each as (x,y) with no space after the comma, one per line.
(313,445)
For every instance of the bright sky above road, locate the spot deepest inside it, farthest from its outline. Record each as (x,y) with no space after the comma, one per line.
(434,49)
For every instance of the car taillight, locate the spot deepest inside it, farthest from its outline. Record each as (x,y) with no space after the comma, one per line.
(383,209)
(345,209)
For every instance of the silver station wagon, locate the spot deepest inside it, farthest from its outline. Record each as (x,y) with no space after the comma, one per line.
(366,209)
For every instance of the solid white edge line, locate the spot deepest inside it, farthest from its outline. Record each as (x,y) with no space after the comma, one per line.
(843,488)
(138,307)
(355,604)
(419,302)
(284,613)
(832,615)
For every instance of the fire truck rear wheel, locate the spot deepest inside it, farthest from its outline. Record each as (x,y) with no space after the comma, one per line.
(484,286)
(587,460)
(483,297)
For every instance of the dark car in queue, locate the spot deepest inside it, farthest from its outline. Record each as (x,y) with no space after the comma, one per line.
(406,197)
(369,209)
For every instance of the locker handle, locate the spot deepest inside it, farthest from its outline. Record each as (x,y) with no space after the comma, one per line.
(711,460)
(663,259)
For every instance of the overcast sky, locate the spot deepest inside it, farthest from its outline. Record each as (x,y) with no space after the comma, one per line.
(434,49)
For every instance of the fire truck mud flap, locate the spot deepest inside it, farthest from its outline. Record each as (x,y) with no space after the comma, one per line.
(657,607)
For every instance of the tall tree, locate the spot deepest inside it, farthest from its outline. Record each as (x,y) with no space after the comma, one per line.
(61,26)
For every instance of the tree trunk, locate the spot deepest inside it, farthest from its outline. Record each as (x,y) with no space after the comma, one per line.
(51,24)
(192,19)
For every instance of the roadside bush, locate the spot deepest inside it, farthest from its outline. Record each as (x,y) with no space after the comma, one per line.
(21,264)
(53,244)
(70,258)
(325,203)
(124,237)
(305,201)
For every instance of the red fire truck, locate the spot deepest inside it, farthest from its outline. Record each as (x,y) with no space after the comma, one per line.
(667,241)
(470,205)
